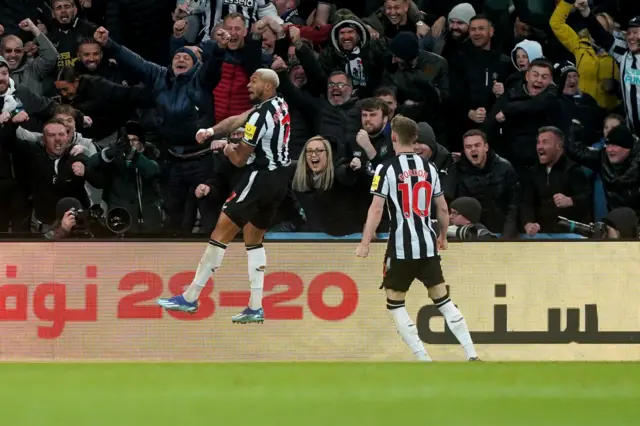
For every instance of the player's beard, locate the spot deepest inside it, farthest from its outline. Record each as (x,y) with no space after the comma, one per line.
(257,96)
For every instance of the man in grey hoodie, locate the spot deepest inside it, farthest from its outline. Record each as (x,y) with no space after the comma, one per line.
(25,70)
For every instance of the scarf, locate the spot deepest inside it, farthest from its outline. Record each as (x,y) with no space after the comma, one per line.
(355,68)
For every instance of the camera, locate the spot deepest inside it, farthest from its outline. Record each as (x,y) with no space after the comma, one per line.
(85,217)
(94,222)
(464,233)
(596,230)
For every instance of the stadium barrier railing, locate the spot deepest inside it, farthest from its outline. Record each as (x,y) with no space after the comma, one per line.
(523,301)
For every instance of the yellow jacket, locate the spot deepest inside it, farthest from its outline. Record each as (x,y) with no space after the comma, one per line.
(594,67)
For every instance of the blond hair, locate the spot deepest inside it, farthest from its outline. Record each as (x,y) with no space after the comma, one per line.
(303,180)
(406,130)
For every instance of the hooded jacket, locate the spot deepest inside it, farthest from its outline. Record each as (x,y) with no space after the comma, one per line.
(594,64)
(370,57)
(532,49)
(184,101)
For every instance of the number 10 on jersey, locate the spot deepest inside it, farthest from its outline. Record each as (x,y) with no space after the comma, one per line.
(411,198)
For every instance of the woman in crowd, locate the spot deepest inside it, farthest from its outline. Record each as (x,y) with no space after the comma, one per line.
(333,192)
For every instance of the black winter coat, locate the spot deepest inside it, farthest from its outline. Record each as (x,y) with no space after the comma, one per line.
(539,187)
(524,114)
(495,186)
(621,181)
(108,104)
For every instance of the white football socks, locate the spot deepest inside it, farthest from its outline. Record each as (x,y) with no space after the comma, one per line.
(457,324)
(257,263)
(407,329)
(209,262)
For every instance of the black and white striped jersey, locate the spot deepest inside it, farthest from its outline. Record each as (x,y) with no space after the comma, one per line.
(630,79)
(409,183)
(268,129)
(252,10)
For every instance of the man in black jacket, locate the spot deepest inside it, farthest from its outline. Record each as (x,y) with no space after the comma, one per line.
(618,164)
(56,171)
(484,175)
(576,105)
(472,72)
(520,112)
(91,61)
(67,30)
(556,186)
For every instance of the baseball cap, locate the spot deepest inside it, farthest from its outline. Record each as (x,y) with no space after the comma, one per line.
(634,23)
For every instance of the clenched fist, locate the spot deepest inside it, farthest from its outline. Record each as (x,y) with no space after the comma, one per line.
(219,145)
(278,64)
(20,117)
(203,134)
(363,138)
(179,28)
(78,169)
(294,34)
(355,164)
(28,25)
(202,190)
(101,36)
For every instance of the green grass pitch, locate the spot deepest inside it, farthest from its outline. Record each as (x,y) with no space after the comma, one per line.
(322,394)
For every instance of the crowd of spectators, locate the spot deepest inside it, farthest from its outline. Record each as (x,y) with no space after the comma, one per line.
(529,109)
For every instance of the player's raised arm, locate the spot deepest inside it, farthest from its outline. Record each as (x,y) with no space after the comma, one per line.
(232,123)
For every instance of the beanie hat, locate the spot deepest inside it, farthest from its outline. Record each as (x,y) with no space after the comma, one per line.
(134,128)
(462,12)
(560,72)
(468,207)
(188,52)
(66,204)
(405,46)
(621,136)
(427,136)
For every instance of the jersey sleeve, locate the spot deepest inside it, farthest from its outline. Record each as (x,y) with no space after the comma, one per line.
(254,128)
(380,185)
(437,188)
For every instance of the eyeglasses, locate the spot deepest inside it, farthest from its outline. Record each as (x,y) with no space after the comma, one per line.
(317,151)
(17,50)
(338,85)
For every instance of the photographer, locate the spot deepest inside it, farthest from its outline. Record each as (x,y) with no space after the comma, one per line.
(65,224)
(55,170)
(619,224)
(129,174)
(463,221)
